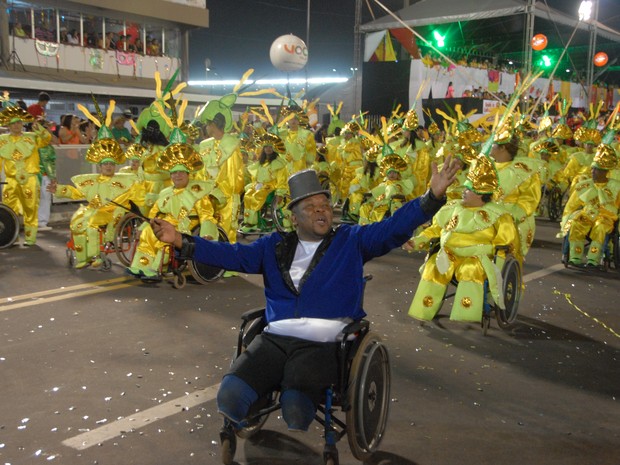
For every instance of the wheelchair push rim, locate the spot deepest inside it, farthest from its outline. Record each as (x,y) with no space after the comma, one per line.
(9,226)
(127,237)
(369,397)
(203,273)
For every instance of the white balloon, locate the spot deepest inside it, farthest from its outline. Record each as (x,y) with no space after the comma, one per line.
(288,53)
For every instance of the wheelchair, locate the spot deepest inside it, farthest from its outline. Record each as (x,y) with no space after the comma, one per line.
(361,393)
(553,200)
(609,258)
(126,238)
(512,287)
(273,215)
(9,225)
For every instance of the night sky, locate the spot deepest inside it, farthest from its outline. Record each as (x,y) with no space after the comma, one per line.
(242,31)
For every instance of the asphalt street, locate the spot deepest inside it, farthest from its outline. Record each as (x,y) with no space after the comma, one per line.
(98,368)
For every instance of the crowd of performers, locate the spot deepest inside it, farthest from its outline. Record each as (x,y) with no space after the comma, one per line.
(507,162)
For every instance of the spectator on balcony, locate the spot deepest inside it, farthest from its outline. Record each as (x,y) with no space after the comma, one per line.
(63,35)
(121,133)
(450,91)
(43,32)
(137,46)
(153,48)
(38,109)
(110,41)
(88,130)
(73,37)
(121,43)
(69,132)
(18,30)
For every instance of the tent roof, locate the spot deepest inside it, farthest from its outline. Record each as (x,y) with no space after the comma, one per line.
(494,30)
(427,12)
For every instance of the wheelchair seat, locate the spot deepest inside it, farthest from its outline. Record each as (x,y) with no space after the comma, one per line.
(361,393)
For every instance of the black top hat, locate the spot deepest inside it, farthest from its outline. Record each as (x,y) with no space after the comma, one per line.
(304,184)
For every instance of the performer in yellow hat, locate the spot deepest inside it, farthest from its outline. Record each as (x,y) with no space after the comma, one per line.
(383,200)
(98,190)
(468,231)
(20,152)
(268,174)
(578,166)
(592,208)
(299,140)
(186,204)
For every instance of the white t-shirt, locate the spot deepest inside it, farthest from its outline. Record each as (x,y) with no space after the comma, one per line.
(311,329)
(303,256)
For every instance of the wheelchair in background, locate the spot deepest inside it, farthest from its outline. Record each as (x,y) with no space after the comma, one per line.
(551,200)
(273,216)
(610,257)
(361,393)
(9,225)
(126,238)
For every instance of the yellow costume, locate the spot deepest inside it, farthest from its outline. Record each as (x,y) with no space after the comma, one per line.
(268,174)
(468,236)
(224,164)
(187,204)
(592,208)
(384,198)
(350,155)
(20,153)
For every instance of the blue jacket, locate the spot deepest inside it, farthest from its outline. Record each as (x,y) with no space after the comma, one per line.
(333,284)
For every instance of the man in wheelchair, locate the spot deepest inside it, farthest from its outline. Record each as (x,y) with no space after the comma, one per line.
(313,280)
(469,232)
(592,210)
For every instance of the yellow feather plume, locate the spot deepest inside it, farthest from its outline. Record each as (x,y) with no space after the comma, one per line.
(163,114)
(89,115)
(244,78)
(157,84)
(110,112)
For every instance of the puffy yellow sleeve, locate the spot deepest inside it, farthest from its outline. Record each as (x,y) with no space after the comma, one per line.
(65,191)
(529,194)
(507,234)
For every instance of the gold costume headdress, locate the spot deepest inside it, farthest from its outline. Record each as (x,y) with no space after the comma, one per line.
(587,133)
(106,147)
(178,155)
(606,157)
(482,176)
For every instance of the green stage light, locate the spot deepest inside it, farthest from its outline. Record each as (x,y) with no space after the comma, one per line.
(546,61)
(439,39)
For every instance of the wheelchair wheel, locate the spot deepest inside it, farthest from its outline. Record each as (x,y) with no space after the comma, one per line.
(281,216)
(369,397)
(554,203)
(206,273)
(9,226)
(126,237)
(511,287)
